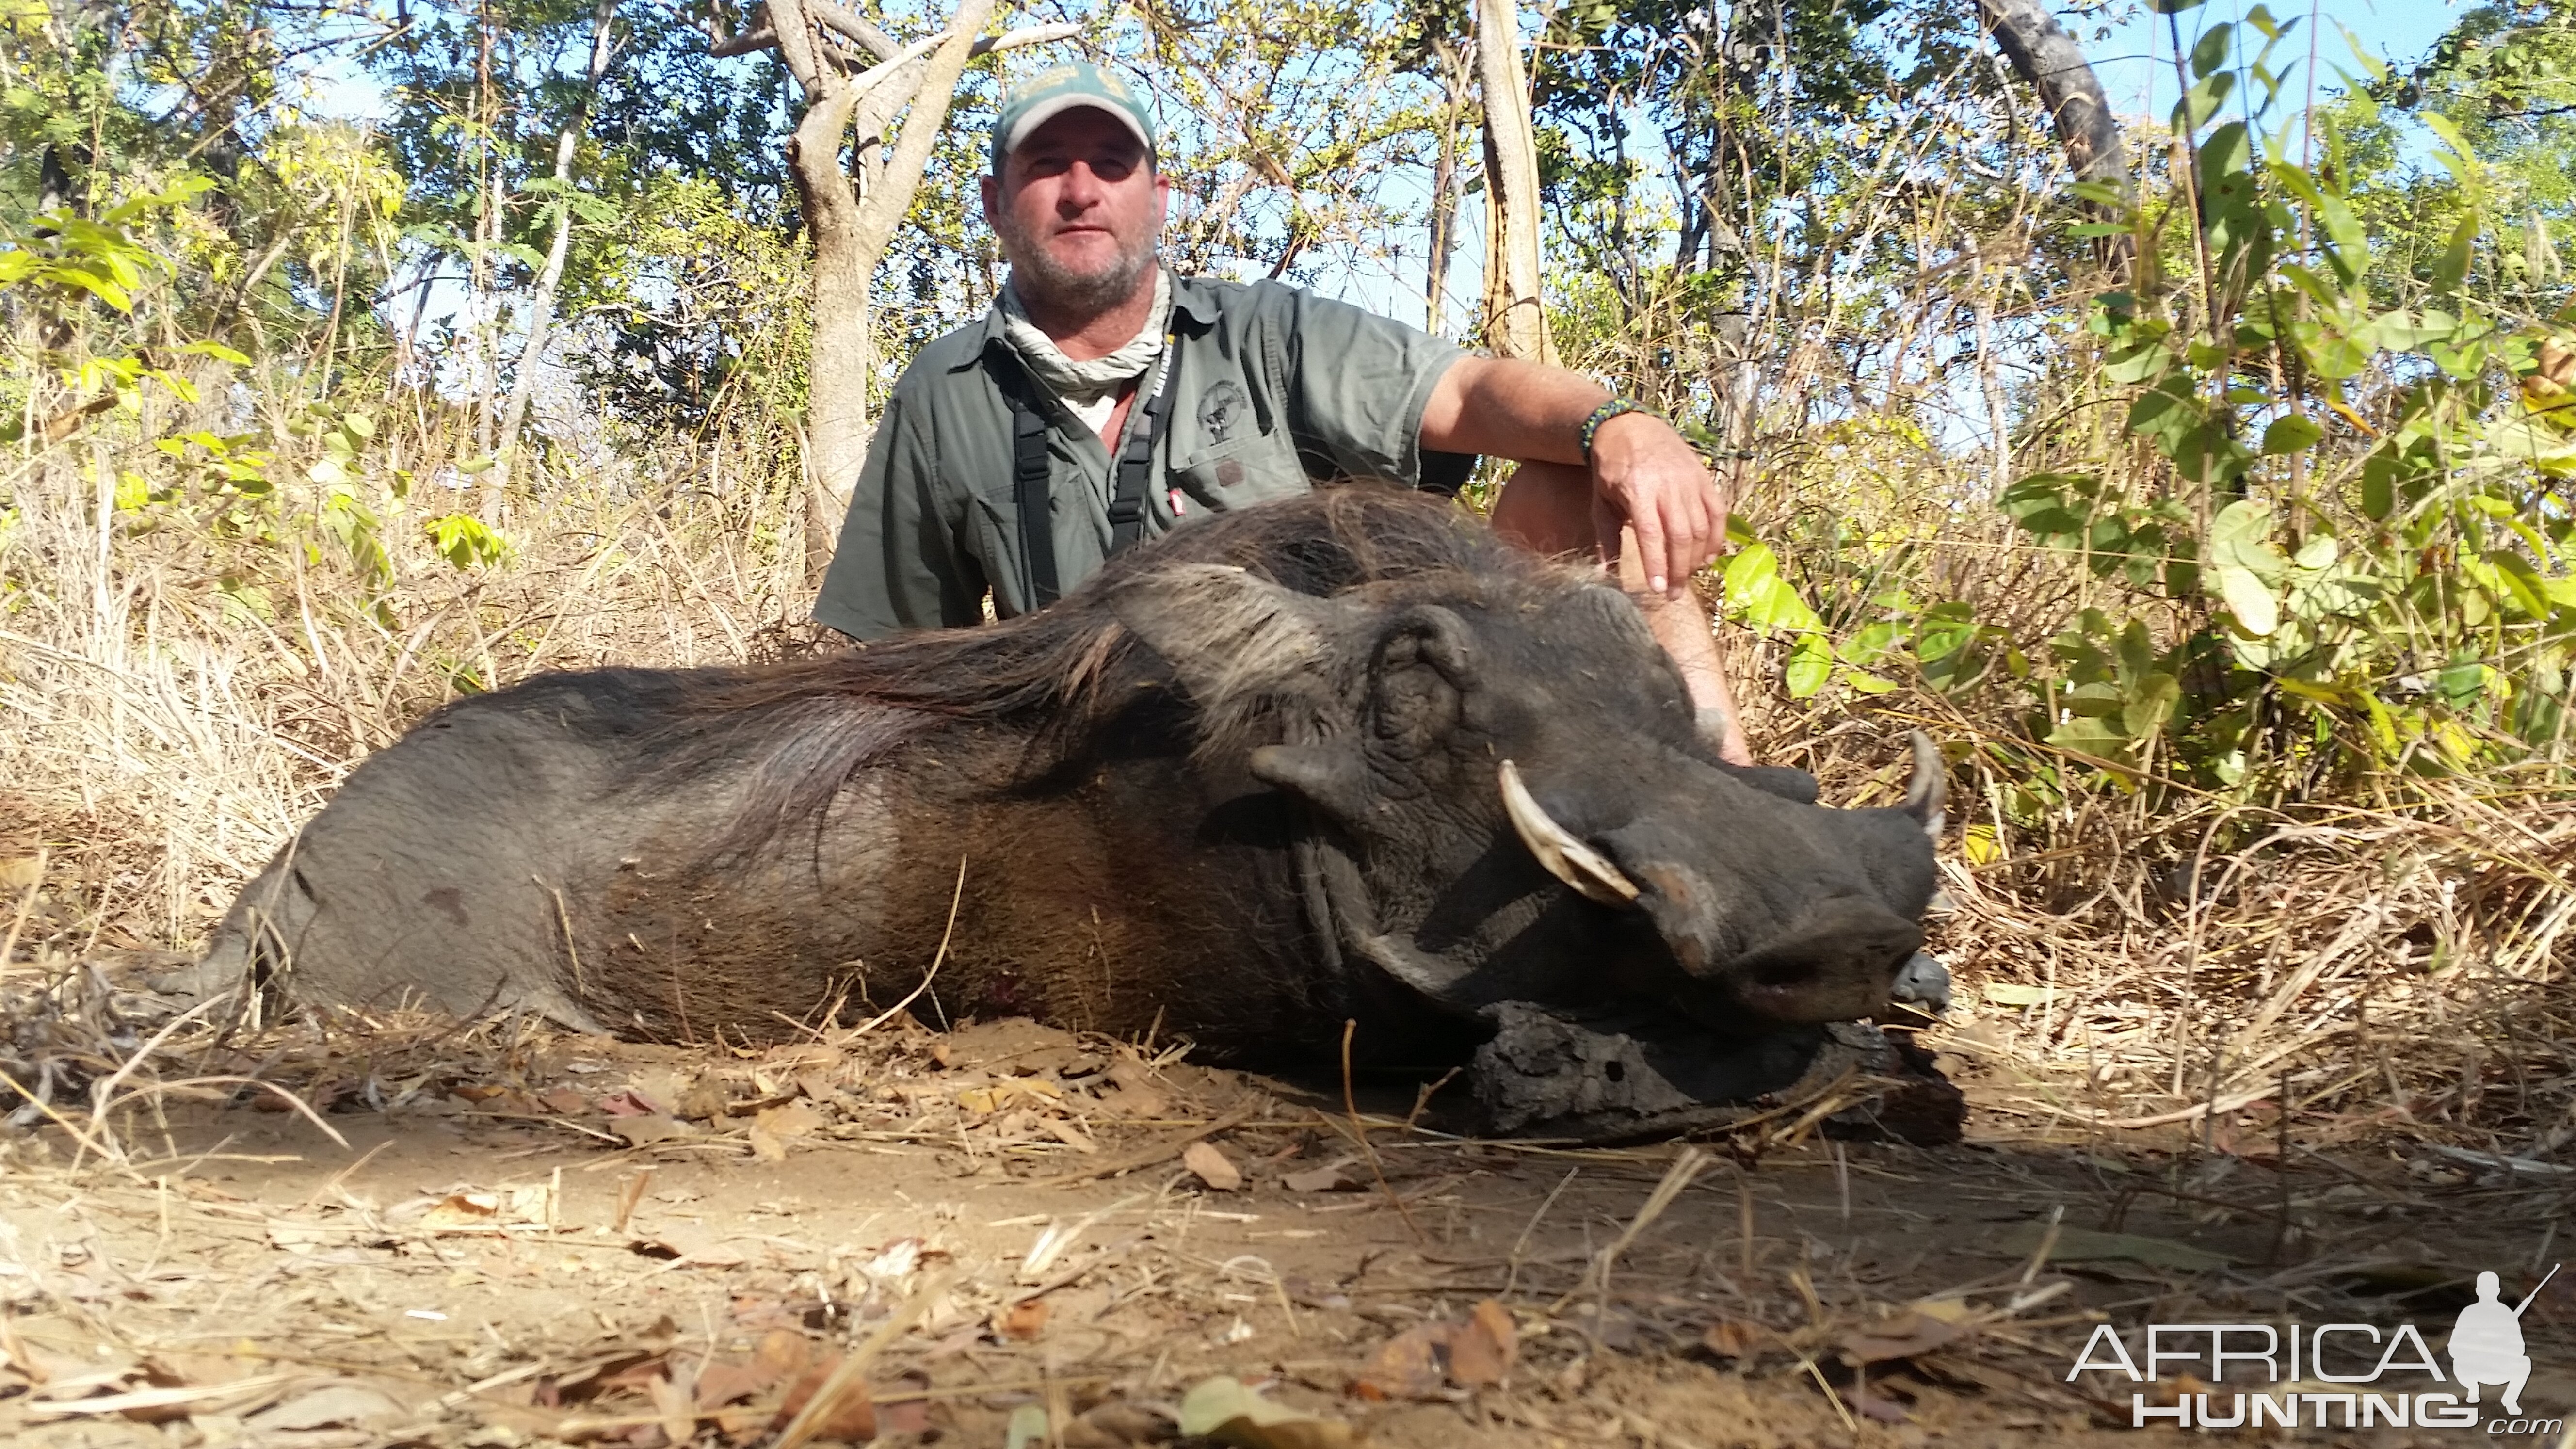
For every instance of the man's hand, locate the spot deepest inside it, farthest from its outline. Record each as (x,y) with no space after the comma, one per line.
(1643,473)
(1646,475)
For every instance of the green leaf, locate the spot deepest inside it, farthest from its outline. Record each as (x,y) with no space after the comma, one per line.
(2290,434)
(2203,101)
(215,350)
(1864,682)
(1811,665)
(1764,600)
(2453,268)
(2138,364)
(2241,537)
(2250,599)
(2378,487)
(2211,50)
(2156,698)
(2520,583)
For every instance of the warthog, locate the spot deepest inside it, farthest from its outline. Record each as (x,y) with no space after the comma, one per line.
(1348,757)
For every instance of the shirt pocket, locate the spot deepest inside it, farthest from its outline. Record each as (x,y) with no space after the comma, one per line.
(1242,471)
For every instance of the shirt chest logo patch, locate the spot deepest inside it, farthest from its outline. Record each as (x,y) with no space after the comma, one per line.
(1221,407)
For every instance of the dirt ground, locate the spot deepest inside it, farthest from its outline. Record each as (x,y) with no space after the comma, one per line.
(1010,1236)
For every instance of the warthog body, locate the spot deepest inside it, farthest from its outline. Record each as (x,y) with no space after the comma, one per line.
(1249,783)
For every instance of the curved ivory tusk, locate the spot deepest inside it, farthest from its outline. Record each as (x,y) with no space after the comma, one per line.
(1568,859)
(1930,787)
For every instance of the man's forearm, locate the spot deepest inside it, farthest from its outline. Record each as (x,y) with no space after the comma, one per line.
(1505,408)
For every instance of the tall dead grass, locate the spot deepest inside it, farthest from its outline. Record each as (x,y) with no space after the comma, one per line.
(175,697)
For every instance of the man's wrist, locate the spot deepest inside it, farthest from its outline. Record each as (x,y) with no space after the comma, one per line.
(1617,407)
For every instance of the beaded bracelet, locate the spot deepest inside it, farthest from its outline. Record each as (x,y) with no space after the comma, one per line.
(1615,407)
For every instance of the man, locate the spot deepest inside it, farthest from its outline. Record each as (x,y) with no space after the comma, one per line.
(1103,400)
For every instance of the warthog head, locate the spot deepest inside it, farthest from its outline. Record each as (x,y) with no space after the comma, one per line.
(1515,804)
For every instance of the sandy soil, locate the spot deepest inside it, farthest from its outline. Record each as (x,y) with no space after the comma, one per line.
(1019,1238)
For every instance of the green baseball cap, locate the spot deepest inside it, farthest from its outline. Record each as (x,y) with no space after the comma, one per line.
(1061,88)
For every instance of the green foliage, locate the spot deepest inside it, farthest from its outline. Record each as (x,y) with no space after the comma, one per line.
(2347,558)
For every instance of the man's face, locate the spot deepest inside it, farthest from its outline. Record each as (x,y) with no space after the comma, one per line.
(1078,207)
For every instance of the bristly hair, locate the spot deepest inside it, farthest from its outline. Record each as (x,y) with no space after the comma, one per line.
(1059,674)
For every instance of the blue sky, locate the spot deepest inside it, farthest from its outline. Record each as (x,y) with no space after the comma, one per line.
(2135,61)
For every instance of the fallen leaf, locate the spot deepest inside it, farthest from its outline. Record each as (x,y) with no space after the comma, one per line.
(1028,1426)
(1137,1096)
(723,1381)
(678,1410)
(1406,1366)
(1001,1095)
(19,874)
(1729,1339)
(765,1146)
(851,1420)
(783,1353)
(1069,1134)
(627,1102)
(1331,1177)
(1211,1166)
(1901,1337)
(1024,1320)
(644,1130)
(1481,1353)
(526,1205)
(796,1119)
(1223,1410)
(692,1247)
(463,1210)
(354,1405)
(565,1102)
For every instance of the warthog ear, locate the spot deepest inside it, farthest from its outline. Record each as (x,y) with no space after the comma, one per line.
(1228,634)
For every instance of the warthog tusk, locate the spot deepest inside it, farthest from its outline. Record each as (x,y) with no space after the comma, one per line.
(1568,859)
(1930,787)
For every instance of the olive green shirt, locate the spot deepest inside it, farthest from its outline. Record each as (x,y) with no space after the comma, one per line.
(1273,389)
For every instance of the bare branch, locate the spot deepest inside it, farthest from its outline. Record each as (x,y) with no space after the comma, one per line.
(893,59)
(743,44)
(854,25)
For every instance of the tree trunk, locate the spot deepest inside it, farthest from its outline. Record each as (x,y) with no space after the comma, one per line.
(1515,313)
(2046,56)
(1444,186)
(853,219)
(542,309)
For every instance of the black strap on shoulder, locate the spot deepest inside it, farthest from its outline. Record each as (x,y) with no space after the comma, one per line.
(1135,472)
(1032,478)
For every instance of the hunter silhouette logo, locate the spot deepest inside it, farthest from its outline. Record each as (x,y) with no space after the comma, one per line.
(2486,1343)
(2347,1375)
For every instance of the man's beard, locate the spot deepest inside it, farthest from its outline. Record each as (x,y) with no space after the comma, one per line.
(1042,281)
